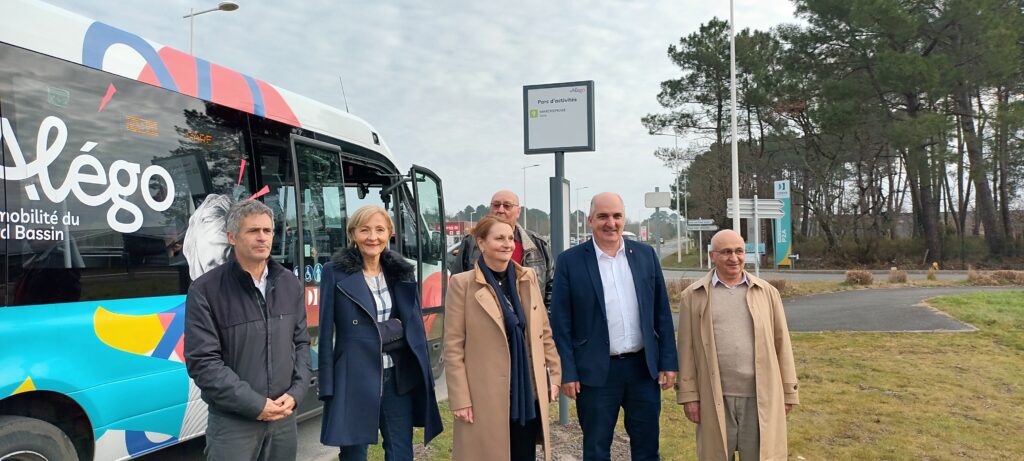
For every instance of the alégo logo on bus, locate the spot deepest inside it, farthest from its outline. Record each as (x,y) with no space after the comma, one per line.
(85,169)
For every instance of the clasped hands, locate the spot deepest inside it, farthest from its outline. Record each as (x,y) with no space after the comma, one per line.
(277,409)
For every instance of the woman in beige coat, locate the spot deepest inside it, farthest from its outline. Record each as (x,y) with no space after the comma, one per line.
(500,359)
(776,382)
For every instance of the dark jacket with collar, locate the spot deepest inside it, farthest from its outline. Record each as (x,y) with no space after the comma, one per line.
(241,347)
(579,320)
(350,350)
(536,255)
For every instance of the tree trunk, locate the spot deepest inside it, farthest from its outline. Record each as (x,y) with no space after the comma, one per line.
(1003,156)
(918,166)
(985,204)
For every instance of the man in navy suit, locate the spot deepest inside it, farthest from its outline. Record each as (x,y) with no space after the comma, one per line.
(613,330)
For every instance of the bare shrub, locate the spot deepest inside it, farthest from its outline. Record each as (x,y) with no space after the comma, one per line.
(897,276)
(859,278)
(1005,277)
(780,284)
(984,279)
(675,289)
(676,286)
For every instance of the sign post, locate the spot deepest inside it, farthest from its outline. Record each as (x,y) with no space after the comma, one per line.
(657,200)
(784,226)
(701,225)
(559,118)
(756,209)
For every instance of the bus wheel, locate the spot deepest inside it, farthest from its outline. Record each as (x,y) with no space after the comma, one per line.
(29,439)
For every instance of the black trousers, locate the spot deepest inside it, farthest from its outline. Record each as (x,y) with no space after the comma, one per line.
(523,439)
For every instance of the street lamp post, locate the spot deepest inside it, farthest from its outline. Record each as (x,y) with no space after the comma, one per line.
(578,205)
(191,16)
(686,210)
(735,148)
(522,204)
(679,218)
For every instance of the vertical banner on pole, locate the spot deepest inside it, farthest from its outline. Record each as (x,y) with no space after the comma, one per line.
(783,225)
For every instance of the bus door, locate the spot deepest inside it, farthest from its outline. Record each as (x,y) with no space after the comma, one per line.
(305,188)
(430,250)
(321,220)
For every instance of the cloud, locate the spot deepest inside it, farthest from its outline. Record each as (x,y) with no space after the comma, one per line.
(442,81)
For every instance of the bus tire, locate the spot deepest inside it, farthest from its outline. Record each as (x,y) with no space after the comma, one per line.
(34,440)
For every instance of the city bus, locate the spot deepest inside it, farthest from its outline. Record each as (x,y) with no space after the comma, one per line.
(120,157)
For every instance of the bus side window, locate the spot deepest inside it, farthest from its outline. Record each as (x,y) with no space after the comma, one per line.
(167,152)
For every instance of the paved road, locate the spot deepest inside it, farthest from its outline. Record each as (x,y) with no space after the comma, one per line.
(894,309)
(816,275)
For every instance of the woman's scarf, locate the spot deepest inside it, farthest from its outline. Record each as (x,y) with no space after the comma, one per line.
(521,402)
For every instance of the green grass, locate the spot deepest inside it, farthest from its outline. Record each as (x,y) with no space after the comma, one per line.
(690,261)
(905,396)
(890,396)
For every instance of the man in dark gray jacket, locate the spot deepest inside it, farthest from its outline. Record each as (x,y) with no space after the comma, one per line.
(531,249)
(246,344)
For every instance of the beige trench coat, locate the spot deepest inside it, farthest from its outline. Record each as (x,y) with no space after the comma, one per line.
(773,366)
(477,361)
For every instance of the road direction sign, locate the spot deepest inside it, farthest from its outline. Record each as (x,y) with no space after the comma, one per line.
(766,208)
(700,222)
(702,228)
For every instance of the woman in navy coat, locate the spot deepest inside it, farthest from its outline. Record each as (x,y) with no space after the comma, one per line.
(369,380)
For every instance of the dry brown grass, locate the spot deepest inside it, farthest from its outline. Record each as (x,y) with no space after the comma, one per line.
(863,278)
(995,278)
(898,276)
(780,284)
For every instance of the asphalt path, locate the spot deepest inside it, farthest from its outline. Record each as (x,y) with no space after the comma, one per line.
(814,275)
(883,310)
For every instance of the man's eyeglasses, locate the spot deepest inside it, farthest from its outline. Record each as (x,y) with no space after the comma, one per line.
(729,252)
(506,205)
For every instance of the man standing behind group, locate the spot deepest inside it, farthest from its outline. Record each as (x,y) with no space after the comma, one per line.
(246,344)
(613,330)
(531,250)
(737,379)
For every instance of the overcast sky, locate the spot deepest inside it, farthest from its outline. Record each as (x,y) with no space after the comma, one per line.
(442,80)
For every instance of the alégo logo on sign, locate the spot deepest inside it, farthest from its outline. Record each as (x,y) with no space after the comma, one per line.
(121,178)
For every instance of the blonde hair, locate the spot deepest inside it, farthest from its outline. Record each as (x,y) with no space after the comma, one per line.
(362,215)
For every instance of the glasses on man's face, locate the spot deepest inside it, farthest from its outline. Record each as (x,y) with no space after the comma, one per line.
(728,252)
(506,205)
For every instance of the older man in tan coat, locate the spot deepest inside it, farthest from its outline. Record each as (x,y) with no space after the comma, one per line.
(737,379)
